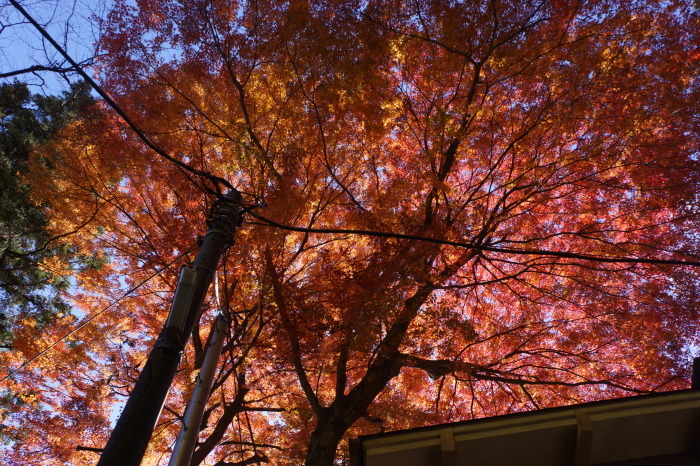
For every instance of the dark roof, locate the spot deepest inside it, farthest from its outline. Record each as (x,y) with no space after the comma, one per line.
(598,433)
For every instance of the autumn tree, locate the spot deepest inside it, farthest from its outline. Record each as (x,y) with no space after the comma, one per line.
(545,152)
(35,264)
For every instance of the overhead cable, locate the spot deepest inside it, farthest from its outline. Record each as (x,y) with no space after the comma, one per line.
(476,246)
(97,314)
(141,134)
(216,180)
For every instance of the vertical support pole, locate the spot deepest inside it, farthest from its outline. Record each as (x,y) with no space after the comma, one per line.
(695,385)
(447,447)
(695,376)
(129,440)
(187,438)
(584,439)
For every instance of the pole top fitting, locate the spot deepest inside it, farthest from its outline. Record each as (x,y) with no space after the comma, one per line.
(226,214)
(234,196)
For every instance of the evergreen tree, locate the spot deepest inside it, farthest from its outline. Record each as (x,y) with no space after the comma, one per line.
(27,288)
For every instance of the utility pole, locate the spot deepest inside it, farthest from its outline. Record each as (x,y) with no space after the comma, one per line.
(134,428)
(187,438)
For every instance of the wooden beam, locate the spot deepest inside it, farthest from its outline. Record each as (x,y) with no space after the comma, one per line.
(584,439)
(447,447)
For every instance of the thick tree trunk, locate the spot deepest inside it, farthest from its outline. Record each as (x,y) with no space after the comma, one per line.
(323,444)
(334,420)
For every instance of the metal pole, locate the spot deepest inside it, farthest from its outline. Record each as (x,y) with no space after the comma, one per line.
(187,438)
(134,428)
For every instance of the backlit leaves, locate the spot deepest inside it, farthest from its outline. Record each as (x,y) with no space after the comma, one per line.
(541,125)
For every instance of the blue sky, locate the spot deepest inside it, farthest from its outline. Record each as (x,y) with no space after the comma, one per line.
(72,23)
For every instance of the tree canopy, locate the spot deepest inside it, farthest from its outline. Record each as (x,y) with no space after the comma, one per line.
(557,142)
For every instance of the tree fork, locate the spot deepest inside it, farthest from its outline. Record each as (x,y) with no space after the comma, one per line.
(135,426)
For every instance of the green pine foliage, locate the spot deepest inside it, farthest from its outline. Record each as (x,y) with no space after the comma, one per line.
(26,121)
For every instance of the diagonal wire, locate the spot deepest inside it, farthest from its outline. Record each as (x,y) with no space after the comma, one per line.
(216,180)
(99,313)
(477,246)
(143,136)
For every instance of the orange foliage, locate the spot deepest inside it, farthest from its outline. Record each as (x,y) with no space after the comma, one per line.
(568,127)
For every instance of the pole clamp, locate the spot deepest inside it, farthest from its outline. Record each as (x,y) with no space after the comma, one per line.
(170,338)
(226,214)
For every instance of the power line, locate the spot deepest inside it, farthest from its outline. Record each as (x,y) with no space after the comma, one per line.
(215,180)
(99,313)
(142,135)
(476,246)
